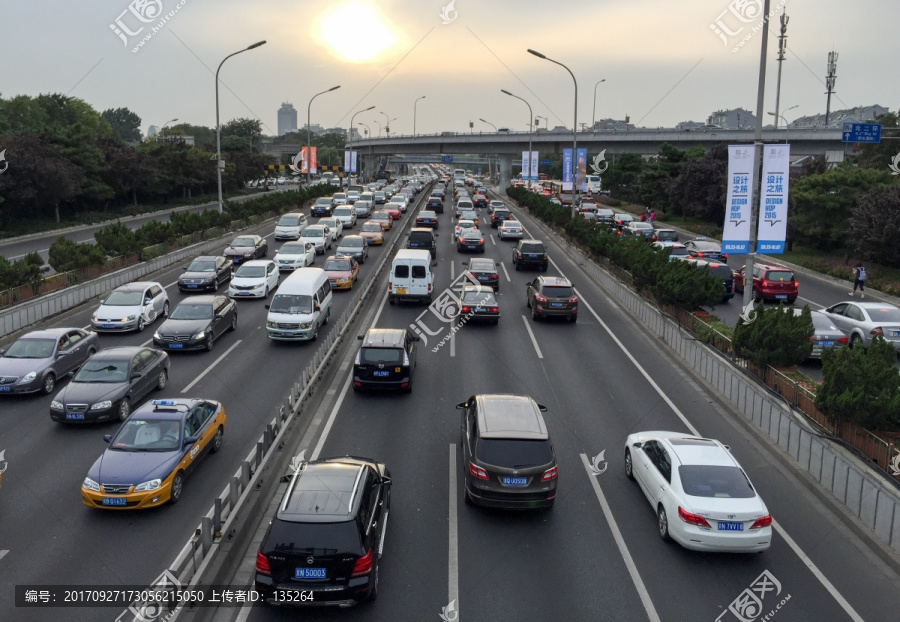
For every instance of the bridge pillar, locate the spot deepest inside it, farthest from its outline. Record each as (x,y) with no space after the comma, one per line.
(505,170)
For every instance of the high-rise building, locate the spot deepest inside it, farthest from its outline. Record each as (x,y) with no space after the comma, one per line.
(287,119)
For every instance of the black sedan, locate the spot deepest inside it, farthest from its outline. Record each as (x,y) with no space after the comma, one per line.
(427,218)
(37,359)
(109,382)
(478,304)
(205,273)
(702,248)
(435,204)
(196,323)
(246,247)
(485,271)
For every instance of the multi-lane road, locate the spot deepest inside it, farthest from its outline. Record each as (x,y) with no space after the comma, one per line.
(595,556)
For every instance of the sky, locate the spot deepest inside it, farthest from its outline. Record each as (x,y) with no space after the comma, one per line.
(662,61)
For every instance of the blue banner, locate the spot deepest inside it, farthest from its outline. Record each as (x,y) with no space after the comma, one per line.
(581,169)
(567,166)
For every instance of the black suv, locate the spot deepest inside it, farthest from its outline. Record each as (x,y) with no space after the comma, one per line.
(499,215)
(435,204)
(548,296)
(385,360)
(205,273)
(322,207)
(530,254)
(422,238)
(323,545)
(508,459)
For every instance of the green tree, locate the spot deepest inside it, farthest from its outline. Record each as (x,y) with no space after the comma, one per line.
(623,176)
(657,176)
(67,255)
(699,190)
(776,337)
(124,123)
(684,285)
(117,239)
(879,156)
(875,226)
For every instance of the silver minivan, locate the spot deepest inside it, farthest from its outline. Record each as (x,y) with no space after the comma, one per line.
(300,307)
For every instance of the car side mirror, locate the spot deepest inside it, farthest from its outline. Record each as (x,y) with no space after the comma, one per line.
(415,338)
(102,300)
(360,337)
(637,445)
(542,408)
(184,269)
(267,306)
(386,481)
(136,375)
(317,307)
(190,440)
(462,405)
(107,437)
(61,353)
(2,352)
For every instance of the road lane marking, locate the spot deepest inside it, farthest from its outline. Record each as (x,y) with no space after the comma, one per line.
(620,543)
(505,273)
(210,368)
(453,545)
(451,270)
(533,340)
(494,242)
(3,553)
(811,302)
(332,416)
(452,345)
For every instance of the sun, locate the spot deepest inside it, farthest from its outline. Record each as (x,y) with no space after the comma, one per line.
(355,33)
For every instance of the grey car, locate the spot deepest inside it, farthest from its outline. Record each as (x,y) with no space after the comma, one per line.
(109,383)
(827,335)
(863,320)
(36,360)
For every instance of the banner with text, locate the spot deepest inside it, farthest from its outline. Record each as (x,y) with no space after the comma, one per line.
(773,200)
(350,161)
(581,169)
(529,166)
(567,169)
(738,212)
(535,160)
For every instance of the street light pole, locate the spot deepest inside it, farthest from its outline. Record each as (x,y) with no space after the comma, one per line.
(530,125)
(538,124)
(368,135)
(162,130)
(415,103)
(574,123)
(594,116)
(219,163)
(489,123)
(309,132)
(378,123)
(350,136)
(781,116)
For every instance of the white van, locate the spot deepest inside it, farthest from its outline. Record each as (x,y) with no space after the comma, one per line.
(300,306)
(411,277)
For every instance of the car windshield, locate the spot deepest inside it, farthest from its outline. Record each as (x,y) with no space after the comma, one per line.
(125,299)
(558,291)
(337,265)
(289,220)
(513,453)
(250,272)
(140,434)
(31,349)
(314,232)
(381,216)
(192,312)
(202,265)
(292,249)
(884,314)
(291,303)
(323,201)
(102,371)
(707,480)
(374,356)
(373,227)
(242,242)
(352,242)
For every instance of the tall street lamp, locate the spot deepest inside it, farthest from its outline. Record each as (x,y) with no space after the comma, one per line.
(594,115)
(530,126)
(537,122)
(489,123)
(414,114)
(781,116)
(350,136)
(574,126)
(309,133)
(378,123)
(368,135)
(162,130)
(219,163)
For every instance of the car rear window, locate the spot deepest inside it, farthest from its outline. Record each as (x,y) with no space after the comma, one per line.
(501,213)
(314,538)
(667,235)
(421,237)
(558,291)
(401,271)
(702,480)
(723,272)
(418,272)
(532,248)
(373,356)
(884,314)
(779,275)
(513,453)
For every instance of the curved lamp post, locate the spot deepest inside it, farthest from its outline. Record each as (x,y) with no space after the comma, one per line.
(414,114)
(530,125)
(309,132)
(594,109)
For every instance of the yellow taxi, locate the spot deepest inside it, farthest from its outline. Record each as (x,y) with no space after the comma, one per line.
(373,232)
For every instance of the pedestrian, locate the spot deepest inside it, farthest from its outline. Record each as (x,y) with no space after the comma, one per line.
(859,280)
(652,216)
(643,217)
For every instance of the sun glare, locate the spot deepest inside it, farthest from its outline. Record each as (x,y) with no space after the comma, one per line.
(355,32)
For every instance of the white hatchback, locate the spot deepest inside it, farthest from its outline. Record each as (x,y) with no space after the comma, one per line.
(254,279)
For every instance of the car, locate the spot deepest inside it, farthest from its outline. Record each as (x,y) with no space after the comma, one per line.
(636,229)
(463,205)
(38,359)
(196,323)
(386,359)
(499,215)
(342,271)
(702,248)
(131,307)
(423,238)
(246,247)
(478,304)
(675,250)
(862,321)
(604,216)
(352,196)
(346,214)
(373,232)
(470,239)
(438,191)
(290,226)
(622,220)
(368,196)
(470,214)
(480,200)
(334,225)
(510,229)
(322,207)
(362,208)
(770,282)
(555,201)
(435,204)
(338,198)
(380,216)
(380,197)
(721,271)
(327,534)
(496,204)
(463,224)
(508,459)
(402,200)
(394,209)
(485,271)
(205,273)
(355,246)
(530,254)
(293,255)
(665,235)
(109,383)
(319,236)
(254,279)
(702,498)
(427,218)
(826,335)
(171,436)
(551,296)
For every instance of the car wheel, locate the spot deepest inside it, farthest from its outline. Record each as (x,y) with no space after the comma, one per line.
(390,300)
(496,321)
(663,523)
(266,293)
(467,498)
(527,301)
(544,269)
(210,342)
(233,326)
(265,251)
(791,301)
(49,383)
(140,324)
(163,380)
(757,296)
(854,340)
(177,488)
(629,465)
(165,312)
(517,266)
(534,313)
(315,334)
(373,593)
(573,319)
(124,409)
(217,441)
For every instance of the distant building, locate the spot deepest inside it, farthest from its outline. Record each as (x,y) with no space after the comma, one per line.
(177,138)
(687,126)
(151,131)
(315,129)
(860,114)
(337,130)
(287,119)
(735,119)
(613,124)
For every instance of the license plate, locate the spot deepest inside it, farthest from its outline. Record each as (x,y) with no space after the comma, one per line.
(74,416)
(470,246)
(120,501)
(730,526)
(413,244)
(482,277)
(556,304)
(309,573)
(235,261)
(382,373)
(192,287)
(531,256)
(401,290)
(781,296)
(515,481)
(109,325)
(285,334)
(243,293)
(822,344)
(5,389)
(176,346)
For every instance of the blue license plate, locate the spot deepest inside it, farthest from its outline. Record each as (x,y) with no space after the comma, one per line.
(471,247)
(730,526)
(413,244)
(530,256)
(176,346)
(781,296)
(515,481)
(309,573)
(382,373)
(243,293)
(192,286)
(556,304)
(5,388)
(74,416)
(118,501)
(109,325)
(482,277)
(823,344)
(235,261)
(285,334)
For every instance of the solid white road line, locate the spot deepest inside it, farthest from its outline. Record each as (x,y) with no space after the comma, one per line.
(493,241)
(210,368)
(533,340)
(815,305)
(451,271)
(505,273)
(452,345)
(331,417)
(453,546)
(620,543)
(3,553)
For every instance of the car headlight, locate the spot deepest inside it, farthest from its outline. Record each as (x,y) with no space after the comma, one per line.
(95,319)
(102,405)
(259,286)
(153,484)
(306,325)
(199,335)
(90,484)
(157,336)
(130,318)
(271,325)
(54,405)
(29,376)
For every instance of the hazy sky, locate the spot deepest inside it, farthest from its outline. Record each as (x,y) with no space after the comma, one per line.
(661,60)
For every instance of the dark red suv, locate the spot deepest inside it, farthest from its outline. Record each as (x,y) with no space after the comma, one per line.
(770,282)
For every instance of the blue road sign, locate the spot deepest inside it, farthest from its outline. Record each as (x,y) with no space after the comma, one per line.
(861,133)
(546,162)
(446,158)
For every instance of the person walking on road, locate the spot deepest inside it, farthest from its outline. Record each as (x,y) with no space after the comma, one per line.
(859,280)
(652,216)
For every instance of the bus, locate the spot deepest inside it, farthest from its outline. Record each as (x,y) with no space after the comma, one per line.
(459,173)
(556,190)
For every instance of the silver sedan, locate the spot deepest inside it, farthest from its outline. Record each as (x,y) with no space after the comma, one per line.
(862,321)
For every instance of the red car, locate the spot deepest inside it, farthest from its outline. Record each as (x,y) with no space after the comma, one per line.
(770,282)
(393,209)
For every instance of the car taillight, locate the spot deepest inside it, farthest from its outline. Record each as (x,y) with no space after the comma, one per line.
(495,276)
(765,283)
(539,298)
(466,309)
(495,309)
(477,471)
(549,474)
(877,331)
(390,285)
(699,254)
(796,283)
(723,256)
(363,565)
(262,564)
(762,521)
(573,300)
(843,340)
(692,519)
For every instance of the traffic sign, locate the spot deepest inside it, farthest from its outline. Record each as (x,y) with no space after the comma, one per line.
(861,133)
(546,163)
(445,158)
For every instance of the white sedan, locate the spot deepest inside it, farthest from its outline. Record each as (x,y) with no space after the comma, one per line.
(701,496)
(319,236)
(334,225)
(510,229)
(464,224)
(254,279)
(293,255)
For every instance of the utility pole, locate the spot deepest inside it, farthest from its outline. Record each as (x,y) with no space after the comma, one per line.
(829,83)
(782,39)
